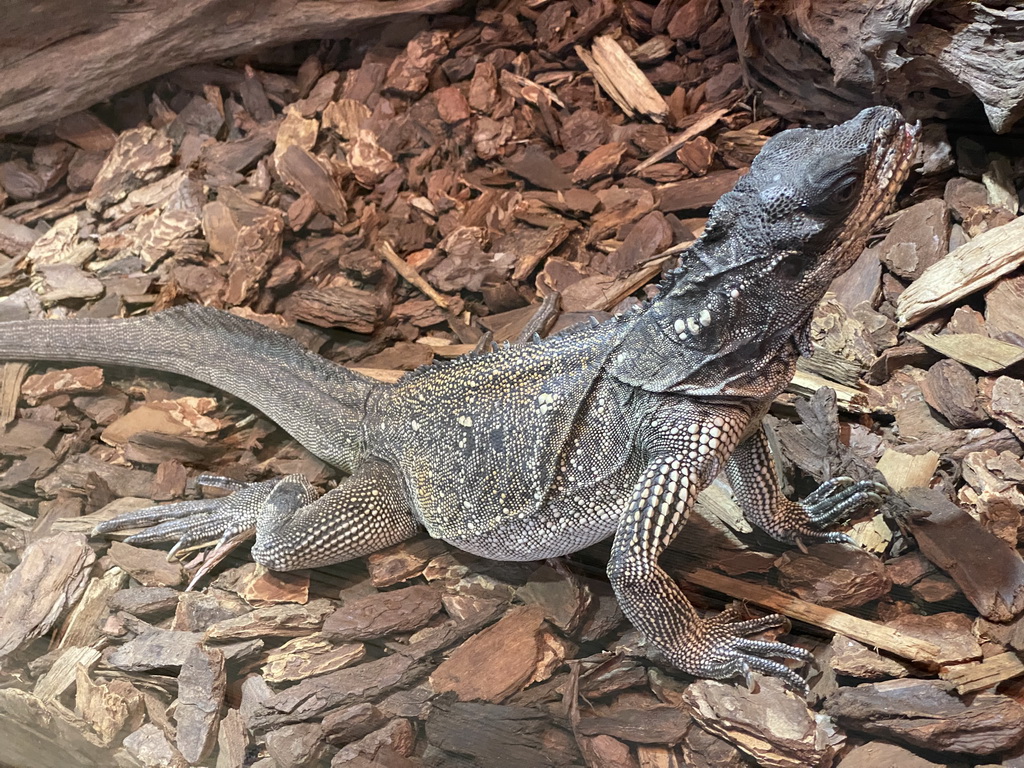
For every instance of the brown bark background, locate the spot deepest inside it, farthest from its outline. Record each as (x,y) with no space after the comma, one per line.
(60,57)
(817,61)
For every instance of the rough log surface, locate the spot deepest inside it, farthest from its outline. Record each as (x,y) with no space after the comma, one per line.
(931,58)
(55,63)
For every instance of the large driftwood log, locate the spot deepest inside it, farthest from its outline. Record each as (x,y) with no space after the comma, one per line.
(58,58)
(931,58)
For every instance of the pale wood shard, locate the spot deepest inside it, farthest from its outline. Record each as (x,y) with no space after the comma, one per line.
(110,708)
(902,471)
(704,121)
(409,273)
(11,377)
(973,349)
(867,632)
(849,399)
(346,117)
(83,626)
(386,375)
(308,656)
(984,674)
(769,725)
(61,676)
(969,268)
(623,81)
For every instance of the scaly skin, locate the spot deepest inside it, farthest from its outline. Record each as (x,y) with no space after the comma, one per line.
(610,429)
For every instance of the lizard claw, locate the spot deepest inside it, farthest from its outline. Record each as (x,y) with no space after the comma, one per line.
(198,523)
(724,650)
(802,522)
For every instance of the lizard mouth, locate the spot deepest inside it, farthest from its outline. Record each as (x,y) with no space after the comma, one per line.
(889,160)
(890,155)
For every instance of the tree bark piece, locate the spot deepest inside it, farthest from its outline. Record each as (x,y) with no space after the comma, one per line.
(50,578)
(988,571)
(928,57)
(51,72)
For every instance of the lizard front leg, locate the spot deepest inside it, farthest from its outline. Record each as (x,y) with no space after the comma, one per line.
(687,447)
(751,472)
(294,526)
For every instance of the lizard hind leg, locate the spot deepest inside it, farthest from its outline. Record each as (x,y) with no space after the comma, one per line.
(295,527)
(367,511)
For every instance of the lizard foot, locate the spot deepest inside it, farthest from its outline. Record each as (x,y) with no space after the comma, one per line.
(209,522)
(832,501)
(723,650)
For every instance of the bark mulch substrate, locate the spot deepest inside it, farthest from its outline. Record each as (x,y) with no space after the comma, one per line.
(483,177)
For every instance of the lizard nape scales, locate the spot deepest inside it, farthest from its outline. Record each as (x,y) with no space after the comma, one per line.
(607,430)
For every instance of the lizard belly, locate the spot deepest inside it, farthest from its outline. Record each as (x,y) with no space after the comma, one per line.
(562,525)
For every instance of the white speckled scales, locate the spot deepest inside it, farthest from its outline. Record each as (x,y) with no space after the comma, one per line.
(508,459)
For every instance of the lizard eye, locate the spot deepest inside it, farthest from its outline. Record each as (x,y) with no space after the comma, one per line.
(846,190)
(837,198)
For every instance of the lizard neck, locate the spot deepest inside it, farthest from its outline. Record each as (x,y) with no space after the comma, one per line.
(719,327)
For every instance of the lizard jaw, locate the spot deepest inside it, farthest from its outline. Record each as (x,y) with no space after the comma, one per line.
(891,157)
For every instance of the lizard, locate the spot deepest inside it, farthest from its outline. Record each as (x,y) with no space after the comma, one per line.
(607,430)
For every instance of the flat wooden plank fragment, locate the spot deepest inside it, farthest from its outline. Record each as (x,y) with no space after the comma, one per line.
(963,271)
(866,632)
(902,471)
(984,674)
(973,349)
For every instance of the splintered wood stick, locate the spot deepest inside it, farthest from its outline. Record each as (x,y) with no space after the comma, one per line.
(867,632)
(702,123)
(411,276)
(984,674)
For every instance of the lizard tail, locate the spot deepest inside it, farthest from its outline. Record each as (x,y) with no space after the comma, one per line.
(321,404)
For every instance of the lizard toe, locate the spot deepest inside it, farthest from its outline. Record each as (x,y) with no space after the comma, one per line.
(724,650)
(739,657)
(196,523)
(150,516)
(842,501)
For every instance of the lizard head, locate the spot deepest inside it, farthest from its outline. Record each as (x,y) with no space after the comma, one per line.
(731,316)
(812,197)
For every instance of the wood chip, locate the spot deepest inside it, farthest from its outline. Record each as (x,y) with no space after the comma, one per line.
(960,273)
(622,79)
(50,578)
(989,355)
